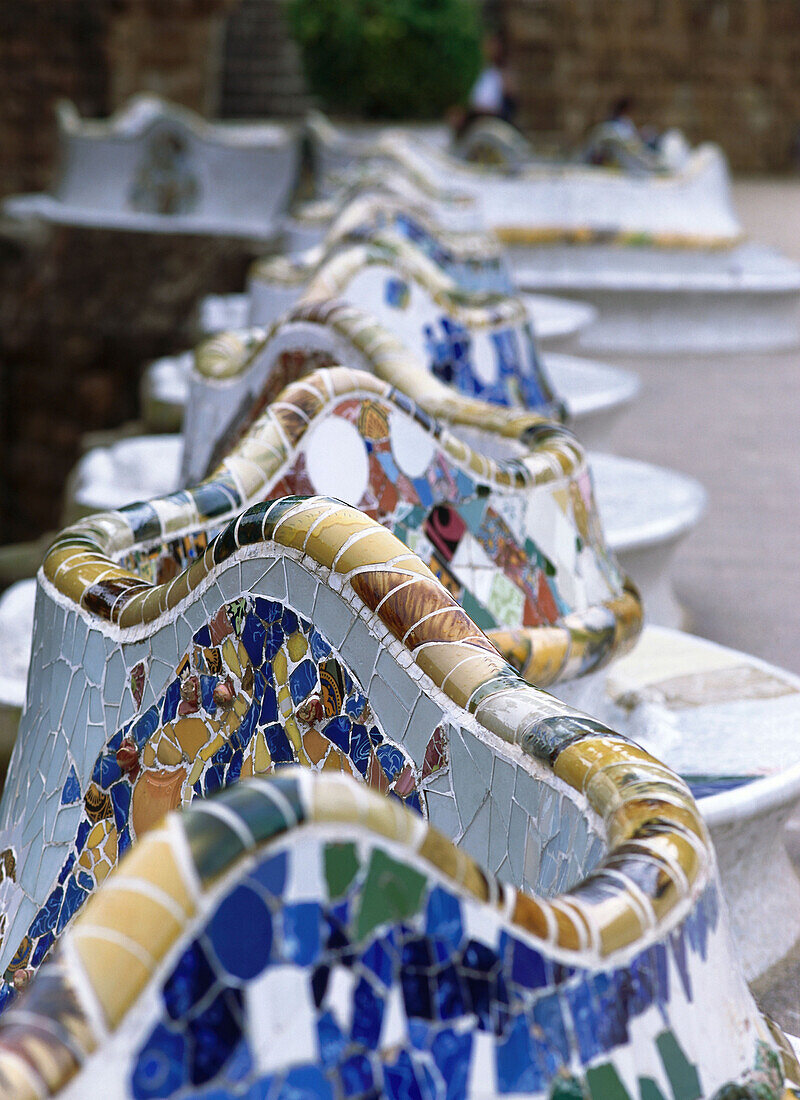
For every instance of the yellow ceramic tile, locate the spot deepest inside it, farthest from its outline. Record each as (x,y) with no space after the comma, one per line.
(577,763)
(67,559)
(168,753)
(617,921)
(117,975)
(154,860)
(442,853)
(538,654)
(633,816)
(231,657)
(22,1082)
(191,733)
(262,760)
(295,739)
(297,646)
(279,667)
(135,915)
(213,746)
(332,801)
(459,668)
(375,548)
(179,589)
(132,614)
(151,605)
(570,929)
(529,913)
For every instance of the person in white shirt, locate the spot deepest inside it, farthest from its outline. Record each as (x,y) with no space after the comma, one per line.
(492,92)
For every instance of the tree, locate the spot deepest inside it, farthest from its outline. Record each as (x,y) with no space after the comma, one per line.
(388,58)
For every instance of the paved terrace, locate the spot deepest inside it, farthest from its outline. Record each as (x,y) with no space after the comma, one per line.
(734,423)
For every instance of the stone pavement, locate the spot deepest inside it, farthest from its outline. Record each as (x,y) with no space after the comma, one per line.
(734,423)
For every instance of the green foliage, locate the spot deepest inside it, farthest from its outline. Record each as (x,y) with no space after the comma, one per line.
(388,58)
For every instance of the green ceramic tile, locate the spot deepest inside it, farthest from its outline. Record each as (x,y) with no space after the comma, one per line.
(649,1090)
(213,844)
(477,612)
(341,867)
(605,1084)
(683,1079)
(392,891)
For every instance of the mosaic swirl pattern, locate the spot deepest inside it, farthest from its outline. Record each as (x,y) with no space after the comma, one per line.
(473,261)
(408,973)
(237,371)
(480,344)
(131,722)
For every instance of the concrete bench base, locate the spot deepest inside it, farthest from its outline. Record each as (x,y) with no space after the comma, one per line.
(662,301)
(647,511)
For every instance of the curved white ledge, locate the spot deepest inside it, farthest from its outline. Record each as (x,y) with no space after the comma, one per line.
(589,387)
(642,504)
(557,318)
(49,209)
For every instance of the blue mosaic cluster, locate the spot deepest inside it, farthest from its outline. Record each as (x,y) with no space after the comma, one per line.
(487,273)
(389,928)
(519,377)
(264,627)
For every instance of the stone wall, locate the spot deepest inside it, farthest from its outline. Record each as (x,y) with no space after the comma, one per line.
(261,73)
(726,70)
(81,311)
(97,53)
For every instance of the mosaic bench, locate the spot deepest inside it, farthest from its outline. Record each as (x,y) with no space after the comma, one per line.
(109,477)
(304,937)
(452,210)
(157,167)
(494,143)
(723,704)
(472,262)
(229,379)
(90,675)
(691,204)
(376,954)
(661,257)
(431,300)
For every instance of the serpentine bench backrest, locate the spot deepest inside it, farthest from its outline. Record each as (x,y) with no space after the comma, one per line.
(63,794)
(493,142)
(156,158)
(237,371)
(473,261)
(479,343)
(302,936)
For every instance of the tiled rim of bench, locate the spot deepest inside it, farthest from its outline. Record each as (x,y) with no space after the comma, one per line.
(363,559)
(386,247)
(394,149)
(73,1007)
(295,269)
(81,562)
(144,109)
(228,356)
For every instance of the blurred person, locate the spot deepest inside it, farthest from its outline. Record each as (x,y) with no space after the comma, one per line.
(493,94)
(618,142)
